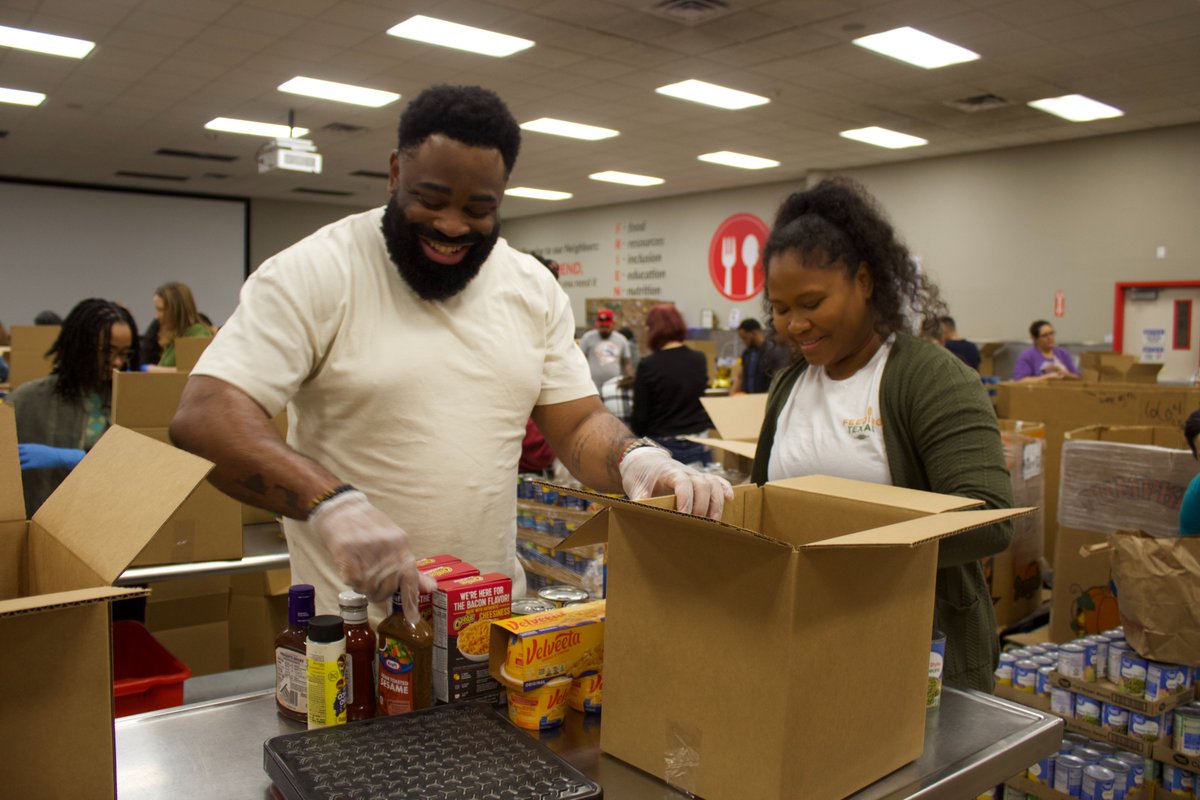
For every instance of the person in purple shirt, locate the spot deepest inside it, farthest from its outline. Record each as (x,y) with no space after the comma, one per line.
(1044,361)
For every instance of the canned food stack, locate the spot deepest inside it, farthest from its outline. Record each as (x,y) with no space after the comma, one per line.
(545,517)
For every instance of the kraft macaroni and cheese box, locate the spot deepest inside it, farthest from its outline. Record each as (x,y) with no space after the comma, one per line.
(526,652)
(446,571)
(463,610)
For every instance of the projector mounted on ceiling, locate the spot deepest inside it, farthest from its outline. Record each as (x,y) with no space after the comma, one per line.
(293,155)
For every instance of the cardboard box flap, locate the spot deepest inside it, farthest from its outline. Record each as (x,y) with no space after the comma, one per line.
(877,494)
(747,449)
(12,499)
(913,532)
(78,597)
(113,503)
(738,417)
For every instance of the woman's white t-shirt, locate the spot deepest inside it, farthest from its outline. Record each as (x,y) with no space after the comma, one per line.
(830,427)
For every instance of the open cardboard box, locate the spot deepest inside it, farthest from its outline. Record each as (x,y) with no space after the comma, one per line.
(1117,368)
(208,527)
(56,575)
(738,420)
(782,637)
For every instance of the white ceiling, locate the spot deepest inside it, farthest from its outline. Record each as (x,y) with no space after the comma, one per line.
(162,68)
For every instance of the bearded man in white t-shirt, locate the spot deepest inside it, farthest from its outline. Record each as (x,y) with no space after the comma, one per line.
(410,344)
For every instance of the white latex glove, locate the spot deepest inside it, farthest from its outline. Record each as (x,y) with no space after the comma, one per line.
(372,553)
(646,470)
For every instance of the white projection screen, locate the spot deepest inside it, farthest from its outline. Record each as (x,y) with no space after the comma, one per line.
(62,244)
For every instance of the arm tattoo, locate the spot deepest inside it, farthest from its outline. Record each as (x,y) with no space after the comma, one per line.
(253,484)
(293,499)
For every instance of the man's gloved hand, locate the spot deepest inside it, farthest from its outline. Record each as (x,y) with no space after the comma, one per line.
(646,471)
(372,553)
(43,456)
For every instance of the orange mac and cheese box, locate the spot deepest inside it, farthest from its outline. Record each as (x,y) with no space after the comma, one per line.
(529,651)
(463,610)
(445,571)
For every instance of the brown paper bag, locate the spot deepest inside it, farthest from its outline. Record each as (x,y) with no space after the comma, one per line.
(1158,585)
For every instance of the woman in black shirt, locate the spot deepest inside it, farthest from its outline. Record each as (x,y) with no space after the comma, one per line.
(668,386)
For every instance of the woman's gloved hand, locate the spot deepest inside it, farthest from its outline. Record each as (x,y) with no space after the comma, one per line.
(372,553)
(43,456)
(647,471)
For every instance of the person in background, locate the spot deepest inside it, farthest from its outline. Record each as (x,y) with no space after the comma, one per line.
(1189,509)
(150,351)
(1044,360)
(617,396)
(177,317)
(61,416)
(635,353)
(410,343)
(608,352)
(668,386)
(967,352)
(761,359)
(47,318)
(866,399)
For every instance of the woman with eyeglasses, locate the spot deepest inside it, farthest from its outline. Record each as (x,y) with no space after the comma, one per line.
(1045,360)
(61,416)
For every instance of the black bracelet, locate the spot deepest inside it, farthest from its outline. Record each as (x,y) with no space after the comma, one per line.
(329,494)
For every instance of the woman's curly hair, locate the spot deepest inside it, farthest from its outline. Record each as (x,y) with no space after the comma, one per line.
(837,224)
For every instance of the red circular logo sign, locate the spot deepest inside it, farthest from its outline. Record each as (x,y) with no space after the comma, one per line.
(735,256)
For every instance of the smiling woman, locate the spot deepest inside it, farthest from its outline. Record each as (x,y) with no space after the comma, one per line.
(865,399)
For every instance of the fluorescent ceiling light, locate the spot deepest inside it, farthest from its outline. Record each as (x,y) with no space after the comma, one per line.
(574,130)
(252,128)
(627,178)
(882,137)
(461,37)
(1076,108)
(47,43)
(917,48)
(340,92)
(19,97)
(538,194)
(712,95)
(738,160)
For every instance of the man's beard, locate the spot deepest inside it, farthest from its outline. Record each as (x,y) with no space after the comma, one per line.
(605,333)
(430,280)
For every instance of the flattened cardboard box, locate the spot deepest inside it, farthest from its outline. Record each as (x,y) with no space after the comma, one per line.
(806,611)
(738,420)
(1118,476)
(56,572)
(208,526)
(1065,406)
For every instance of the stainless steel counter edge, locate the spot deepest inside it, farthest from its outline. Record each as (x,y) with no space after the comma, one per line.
(263,547)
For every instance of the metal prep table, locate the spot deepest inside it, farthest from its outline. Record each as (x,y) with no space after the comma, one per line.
(263,548)
(214,749)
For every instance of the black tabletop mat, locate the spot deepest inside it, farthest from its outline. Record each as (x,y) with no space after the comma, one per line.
(454,752)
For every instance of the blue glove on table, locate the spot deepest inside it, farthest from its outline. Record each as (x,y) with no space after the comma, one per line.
(43,456)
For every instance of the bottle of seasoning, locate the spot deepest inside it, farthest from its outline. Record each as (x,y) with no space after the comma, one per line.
(291,666)
(360,656)
(405,663)
(325,649)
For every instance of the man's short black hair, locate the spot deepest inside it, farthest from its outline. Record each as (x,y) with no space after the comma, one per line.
(750,325)
(1191,430)
(949,321)
(469,114)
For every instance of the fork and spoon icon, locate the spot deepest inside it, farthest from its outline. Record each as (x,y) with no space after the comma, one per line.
(729,257)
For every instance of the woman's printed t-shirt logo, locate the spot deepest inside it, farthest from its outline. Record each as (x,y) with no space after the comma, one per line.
(864,426)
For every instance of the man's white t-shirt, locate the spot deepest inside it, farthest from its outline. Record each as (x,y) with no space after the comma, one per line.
(422,405)
(830,427)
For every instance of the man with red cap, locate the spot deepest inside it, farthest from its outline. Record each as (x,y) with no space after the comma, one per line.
(609,354)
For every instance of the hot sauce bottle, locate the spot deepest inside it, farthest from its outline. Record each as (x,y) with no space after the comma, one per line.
(360,656)
(405,663)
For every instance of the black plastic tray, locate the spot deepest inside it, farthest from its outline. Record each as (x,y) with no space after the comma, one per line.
(454,752)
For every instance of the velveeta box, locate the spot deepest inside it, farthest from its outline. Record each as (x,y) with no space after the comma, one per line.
(526,652)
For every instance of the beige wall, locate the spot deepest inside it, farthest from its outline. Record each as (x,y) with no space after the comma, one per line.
(277,224)
(1000,231)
